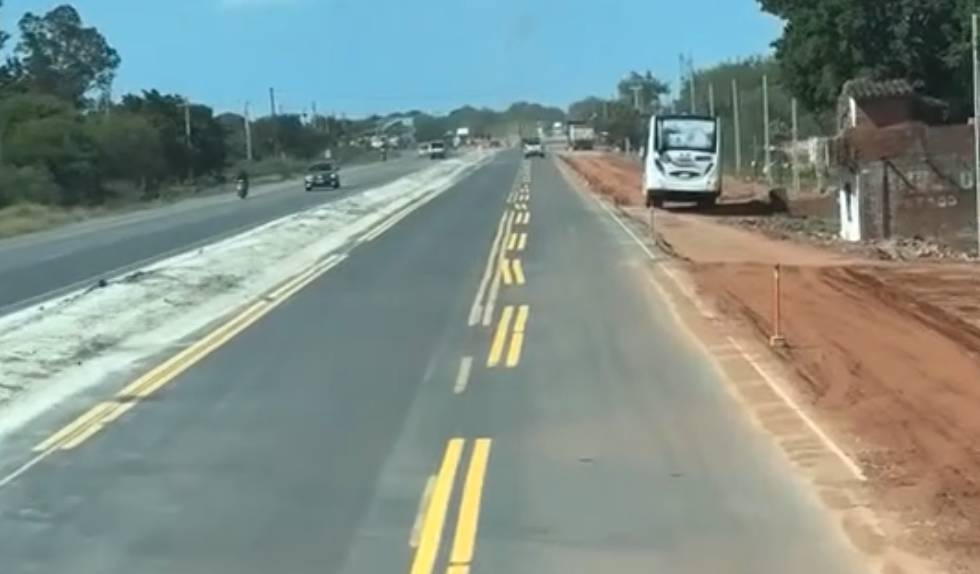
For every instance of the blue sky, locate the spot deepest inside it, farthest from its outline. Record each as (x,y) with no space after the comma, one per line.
(363,56)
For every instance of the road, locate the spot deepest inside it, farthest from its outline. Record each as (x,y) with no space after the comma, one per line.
(42,265)
(367,425)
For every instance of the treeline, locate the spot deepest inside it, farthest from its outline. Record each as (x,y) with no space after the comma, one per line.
(623,119)
(518,118)
(64,141)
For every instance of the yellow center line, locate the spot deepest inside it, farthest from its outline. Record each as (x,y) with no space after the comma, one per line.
(527,218)
(458,569)
(505,272)
(91,417)
(469,507)
(512,242)
(500,336)
(522,242)
(519,278)
(517,341)
(435,515)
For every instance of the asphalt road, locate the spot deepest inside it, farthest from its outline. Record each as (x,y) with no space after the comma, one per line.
(577,432)
(42,265)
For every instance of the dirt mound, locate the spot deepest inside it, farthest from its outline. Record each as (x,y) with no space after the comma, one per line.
(888,354)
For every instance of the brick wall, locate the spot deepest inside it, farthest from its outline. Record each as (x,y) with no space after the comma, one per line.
(916,181)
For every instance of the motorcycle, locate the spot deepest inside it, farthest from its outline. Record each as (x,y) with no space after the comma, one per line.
(242,189)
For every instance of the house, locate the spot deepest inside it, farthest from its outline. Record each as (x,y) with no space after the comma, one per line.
(881,104)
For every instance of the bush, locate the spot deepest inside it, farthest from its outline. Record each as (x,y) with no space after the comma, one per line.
(30,183)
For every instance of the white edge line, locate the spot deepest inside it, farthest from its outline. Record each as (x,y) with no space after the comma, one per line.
(463,376)
(777,388)
(828,442)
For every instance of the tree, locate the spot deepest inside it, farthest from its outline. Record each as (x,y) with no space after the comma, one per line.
(827,42)
(129,149)
(58,55)
(644,90)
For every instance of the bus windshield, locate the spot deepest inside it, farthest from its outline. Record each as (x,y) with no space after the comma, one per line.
(692,134)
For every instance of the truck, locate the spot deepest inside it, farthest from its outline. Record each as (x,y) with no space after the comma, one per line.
(580,136)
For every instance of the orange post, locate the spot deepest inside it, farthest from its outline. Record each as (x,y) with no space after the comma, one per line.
(777,339)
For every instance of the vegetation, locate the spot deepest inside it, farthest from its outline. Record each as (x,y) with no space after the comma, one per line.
(64,142)
(827,42)
(624,118)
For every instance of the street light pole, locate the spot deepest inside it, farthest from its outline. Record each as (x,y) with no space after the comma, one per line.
(767,153)
(248,134)
(976,119)
(738,128)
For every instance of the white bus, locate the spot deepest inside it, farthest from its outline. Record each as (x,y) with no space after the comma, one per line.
(683,156)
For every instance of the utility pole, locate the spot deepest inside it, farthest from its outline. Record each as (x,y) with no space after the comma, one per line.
(636,96)
(711,99)
(680,82)
(796,139)
(976,118)
(248,135)
(767,153)
(738,128)
(694,95)
(187,138)
(272,102)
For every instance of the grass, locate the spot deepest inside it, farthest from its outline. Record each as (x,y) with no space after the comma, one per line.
(32,217)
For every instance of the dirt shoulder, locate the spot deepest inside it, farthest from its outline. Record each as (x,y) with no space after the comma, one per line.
(885,354)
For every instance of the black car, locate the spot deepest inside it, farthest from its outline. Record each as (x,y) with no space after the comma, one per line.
(322,174)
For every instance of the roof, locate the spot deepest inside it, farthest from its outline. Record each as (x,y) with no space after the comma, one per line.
(865,89)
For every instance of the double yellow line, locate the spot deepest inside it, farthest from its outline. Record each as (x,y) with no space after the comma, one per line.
(98,417)
(433,512)
(512,326)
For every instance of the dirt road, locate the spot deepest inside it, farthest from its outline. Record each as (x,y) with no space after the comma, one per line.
(886,354)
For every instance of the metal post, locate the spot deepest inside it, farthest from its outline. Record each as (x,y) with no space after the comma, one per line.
(976,118)
(767,153)
(272,101)
(738,128)
(795,159)
(694,101)
(711,99)
(777,339)
(248,135)
(636,97)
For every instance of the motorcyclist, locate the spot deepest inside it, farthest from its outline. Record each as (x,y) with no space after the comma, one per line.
(242,180)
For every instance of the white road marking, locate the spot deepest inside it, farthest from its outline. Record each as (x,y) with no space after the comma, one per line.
(477,307)
(778,389)
(849,463)
(463,376)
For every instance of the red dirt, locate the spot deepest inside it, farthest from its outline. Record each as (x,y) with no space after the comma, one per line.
(887,354)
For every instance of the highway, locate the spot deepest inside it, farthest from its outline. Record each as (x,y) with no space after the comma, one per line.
(490,386)
(43,265)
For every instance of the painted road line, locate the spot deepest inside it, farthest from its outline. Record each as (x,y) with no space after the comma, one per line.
(463,375)
(458,569)
(522,242)
(435,514)
(92,420)
(517,341)
(500,337)
(494,292)
(90,417)
(81,437)
(519,277)
(527,218)
(512,242)
(469,507)
(505,272)
(488,272)
(413,539)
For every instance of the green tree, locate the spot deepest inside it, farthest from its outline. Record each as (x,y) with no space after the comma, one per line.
(129,149)
(58,55)
(827,42)
(643,89)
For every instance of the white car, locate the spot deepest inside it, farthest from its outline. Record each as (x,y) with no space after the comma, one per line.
(533,148)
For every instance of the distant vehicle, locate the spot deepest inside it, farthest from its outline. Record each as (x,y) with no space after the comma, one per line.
(533,147)
(323,174)
(424,150)
(682,160)
(437,150)
(581,137)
